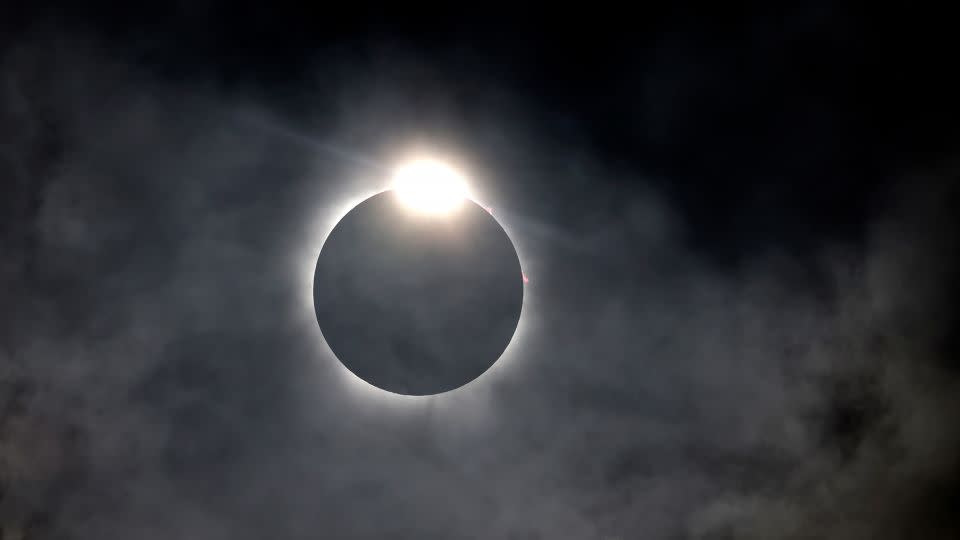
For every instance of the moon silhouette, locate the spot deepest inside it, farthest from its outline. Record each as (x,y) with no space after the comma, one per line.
(417,304)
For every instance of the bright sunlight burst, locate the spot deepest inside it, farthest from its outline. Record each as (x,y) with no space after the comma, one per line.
(430,187)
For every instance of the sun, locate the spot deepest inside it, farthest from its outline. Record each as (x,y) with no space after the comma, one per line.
(430,187)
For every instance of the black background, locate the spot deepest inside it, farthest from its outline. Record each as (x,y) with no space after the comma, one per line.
(737,223)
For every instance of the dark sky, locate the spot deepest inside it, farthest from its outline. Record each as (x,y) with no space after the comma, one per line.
(737,228)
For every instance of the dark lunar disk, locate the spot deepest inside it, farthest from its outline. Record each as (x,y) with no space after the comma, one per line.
(417,304)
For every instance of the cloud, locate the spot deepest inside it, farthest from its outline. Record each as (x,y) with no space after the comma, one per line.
(160,377)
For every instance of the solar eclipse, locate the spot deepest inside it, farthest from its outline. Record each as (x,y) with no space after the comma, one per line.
(418,289)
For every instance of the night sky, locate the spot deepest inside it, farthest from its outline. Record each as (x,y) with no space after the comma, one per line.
(737,228)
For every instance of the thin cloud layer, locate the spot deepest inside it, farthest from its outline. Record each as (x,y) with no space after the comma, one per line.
(161,378)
